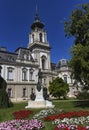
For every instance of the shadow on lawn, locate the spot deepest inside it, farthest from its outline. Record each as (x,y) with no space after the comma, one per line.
(81,103)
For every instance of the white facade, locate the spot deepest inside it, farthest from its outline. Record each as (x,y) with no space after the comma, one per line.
(64,72)
(20,69)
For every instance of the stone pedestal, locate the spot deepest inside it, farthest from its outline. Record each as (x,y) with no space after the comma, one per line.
(39,102)
(49,104)
(36,104)
(39,95)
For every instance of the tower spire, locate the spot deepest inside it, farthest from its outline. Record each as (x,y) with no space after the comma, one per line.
(37,16)
(37,22)
(36,7)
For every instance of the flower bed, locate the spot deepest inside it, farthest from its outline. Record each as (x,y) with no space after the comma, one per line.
(45,113)
(75,123)
(76,120)
(33,124)
(22,114)
(66,115)
(70,127)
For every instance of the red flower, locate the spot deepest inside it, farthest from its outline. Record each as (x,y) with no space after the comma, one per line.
(67,114)
(22,114)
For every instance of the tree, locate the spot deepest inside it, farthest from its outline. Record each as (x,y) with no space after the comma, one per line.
(78,27)
(4,99)
(58,88)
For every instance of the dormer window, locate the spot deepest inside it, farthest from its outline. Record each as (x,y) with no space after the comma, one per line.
(25,56)
(65,78)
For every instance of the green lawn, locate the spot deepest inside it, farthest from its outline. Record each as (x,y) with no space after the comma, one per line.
(66,105)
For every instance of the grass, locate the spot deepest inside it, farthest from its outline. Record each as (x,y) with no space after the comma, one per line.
(66,105)
(71,105)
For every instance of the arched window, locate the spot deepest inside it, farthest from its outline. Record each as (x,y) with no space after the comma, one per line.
(31,74)
(24,74)
(40,35)
(33,37)
(43,62)
(65,78)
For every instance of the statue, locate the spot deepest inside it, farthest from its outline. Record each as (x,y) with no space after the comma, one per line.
(41,99)
(45,94)
(40,76)
(32,96)
(39,80)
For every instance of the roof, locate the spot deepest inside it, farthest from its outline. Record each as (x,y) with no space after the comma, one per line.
(62,63)
(37,22)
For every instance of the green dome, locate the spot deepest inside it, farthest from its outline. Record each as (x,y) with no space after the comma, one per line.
(37,23)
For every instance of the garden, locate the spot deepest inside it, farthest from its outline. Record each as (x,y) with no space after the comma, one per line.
(66,115)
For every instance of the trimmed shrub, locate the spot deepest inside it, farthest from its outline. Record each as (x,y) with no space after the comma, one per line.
(4,99)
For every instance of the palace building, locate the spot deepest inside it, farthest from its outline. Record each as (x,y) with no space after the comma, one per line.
(20,69)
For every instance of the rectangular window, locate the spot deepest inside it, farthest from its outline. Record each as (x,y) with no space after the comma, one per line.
(24,92)
(10,74)
(31,75)
(9,92)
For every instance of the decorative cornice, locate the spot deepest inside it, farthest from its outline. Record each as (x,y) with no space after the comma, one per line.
(39,45)
(19,64)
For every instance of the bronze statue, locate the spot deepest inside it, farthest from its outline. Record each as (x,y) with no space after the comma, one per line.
(40,76)
(39,80)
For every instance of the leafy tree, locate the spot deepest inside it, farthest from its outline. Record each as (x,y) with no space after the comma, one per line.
(78,27)
(4,99)
(58,88)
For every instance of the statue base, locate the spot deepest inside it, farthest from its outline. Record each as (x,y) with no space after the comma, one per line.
(39,96)
(40,104)
(39,101)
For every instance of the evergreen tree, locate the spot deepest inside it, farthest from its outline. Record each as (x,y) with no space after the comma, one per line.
(4,99)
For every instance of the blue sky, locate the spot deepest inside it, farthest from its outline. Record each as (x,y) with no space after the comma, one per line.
(16,17)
